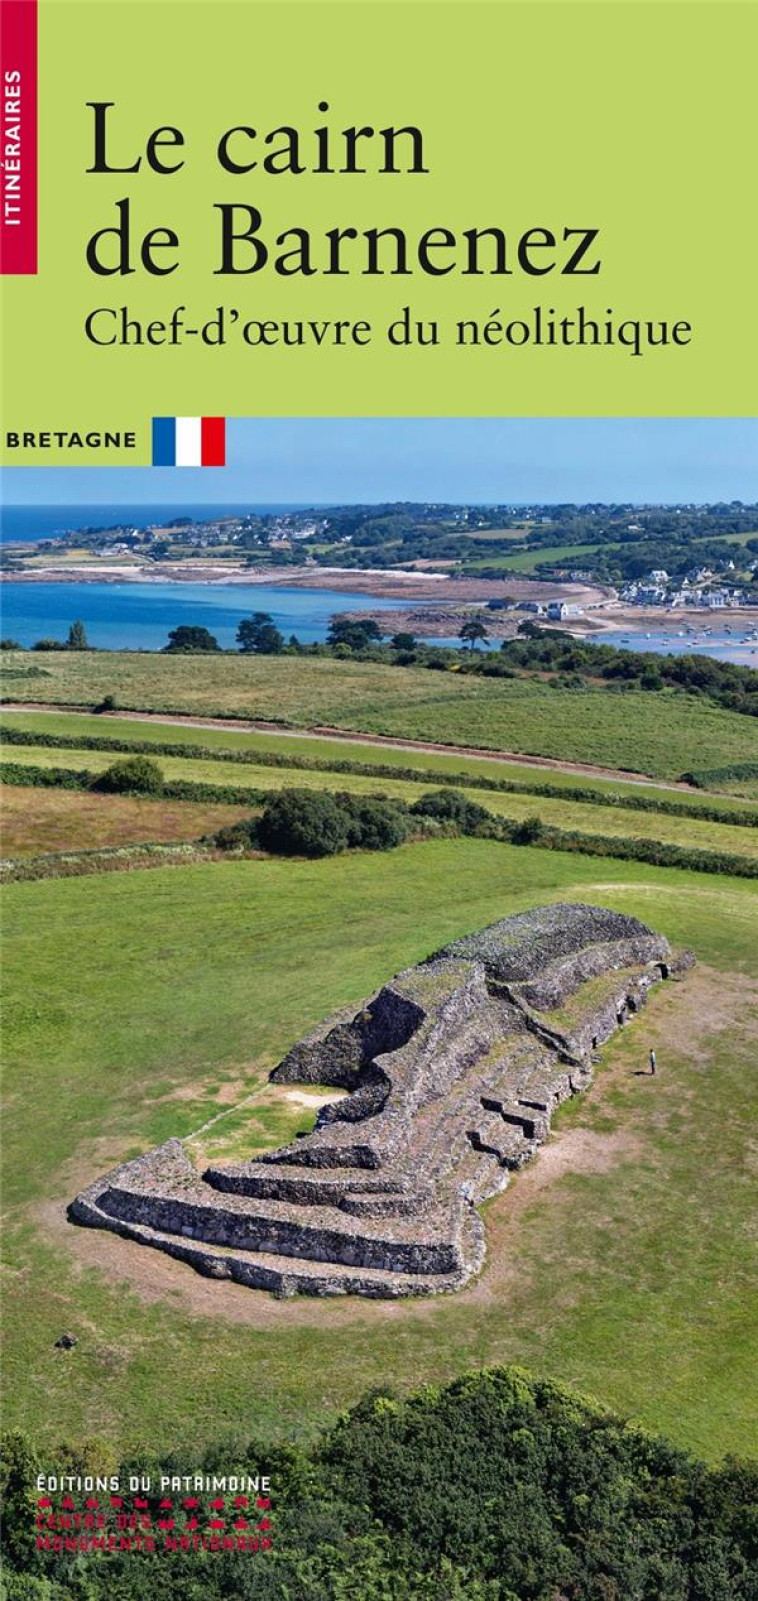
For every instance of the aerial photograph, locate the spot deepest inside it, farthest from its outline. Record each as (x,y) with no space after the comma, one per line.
(379,815)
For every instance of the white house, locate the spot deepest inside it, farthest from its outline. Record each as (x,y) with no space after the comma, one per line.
(559,610)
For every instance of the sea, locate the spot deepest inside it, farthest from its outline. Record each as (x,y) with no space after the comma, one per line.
(28,523)
(138,616)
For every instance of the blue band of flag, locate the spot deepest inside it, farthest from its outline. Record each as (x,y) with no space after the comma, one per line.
(164,441)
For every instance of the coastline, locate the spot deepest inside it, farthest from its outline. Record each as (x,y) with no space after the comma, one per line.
(384,583)
(433,605)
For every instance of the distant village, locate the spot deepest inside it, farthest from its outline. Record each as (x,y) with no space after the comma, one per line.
(586,546)
(701,587)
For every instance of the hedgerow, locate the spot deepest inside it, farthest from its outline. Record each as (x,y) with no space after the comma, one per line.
(173,788)
(109,858)
(669,806)
(529,831)
(712,777)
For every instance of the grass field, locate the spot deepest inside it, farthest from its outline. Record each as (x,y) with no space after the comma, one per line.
(59,820)
(77,725)
(525,561)
(582,556)
(143,1005)
(588,818)
(658,733)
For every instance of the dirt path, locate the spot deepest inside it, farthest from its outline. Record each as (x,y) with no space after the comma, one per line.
(355,737)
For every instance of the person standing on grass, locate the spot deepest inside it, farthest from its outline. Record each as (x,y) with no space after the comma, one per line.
(652,1063)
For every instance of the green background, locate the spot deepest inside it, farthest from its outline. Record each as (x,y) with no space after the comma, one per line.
(635,118)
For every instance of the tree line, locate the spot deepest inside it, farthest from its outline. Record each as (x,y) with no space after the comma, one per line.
(496,1487)
(573,663)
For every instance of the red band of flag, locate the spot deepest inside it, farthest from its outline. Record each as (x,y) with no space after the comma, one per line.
(18,136)
(213,435)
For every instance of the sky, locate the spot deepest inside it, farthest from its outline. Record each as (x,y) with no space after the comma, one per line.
(342,460)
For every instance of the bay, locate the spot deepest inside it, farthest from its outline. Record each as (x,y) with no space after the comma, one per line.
(138,616)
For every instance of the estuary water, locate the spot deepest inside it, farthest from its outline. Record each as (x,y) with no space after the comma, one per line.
(138,616)
(738,645)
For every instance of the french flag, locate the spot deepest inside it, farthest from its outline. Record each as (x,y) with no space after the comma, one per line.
(189,441)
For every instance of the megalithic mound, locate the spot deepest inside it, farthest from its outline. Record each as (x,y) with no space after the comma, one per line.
(451,1071)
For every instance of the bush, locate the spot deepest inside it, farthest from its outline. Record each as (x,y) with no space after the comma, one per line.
(135,775)
(304,822)
(432,808)
(451,806)
(374,824)
(107,704)
(715,812)
(528,832)
(495,1486)
(237,836)
(711,777)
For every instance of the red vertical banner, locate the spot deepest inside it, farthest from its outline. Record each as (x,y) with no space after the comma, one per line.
(18,136)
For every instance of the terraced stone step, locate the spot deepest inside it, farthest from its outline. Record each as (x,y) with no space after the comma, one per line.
(287,1181)
(542,1096)
(477,1175)
(285,1275)
(421,1243)
(507,1141)
(534,1124)
(334,1154)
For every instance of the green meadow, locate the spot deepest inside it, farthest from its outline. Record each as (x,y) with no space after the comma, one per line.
(147,1004)
(661,734)
(526,561)
(74,726)
(588,818)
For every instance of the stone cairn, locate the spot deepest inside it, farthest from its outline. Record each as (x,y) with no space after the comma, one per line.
(451,1071)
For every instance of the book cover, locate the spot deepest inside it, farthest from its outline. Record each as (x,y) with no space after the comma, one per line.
(379,791)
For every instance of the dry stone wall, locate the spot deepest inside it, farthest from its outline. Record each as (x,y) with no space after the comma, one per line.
(453,1071)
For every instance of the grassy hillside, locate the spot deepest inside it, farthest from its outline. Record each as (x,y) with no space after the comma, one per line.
(142,1005)
(525,561)
(658,733)
(74,726)
(588,818)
